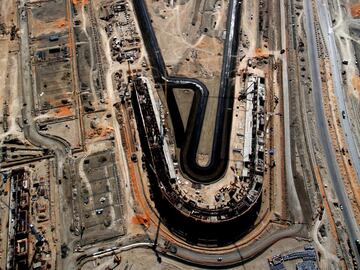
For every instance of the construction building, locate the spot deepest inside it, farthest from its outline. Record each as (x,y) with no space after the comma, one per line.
(243,196)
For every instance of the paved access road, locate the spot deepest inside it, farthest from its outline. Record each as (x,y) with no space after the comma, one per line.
(234,256)
(333,169)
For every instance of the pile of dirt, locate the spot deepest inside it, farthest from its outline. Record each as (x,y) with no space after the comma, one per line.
(355,10)
(80,2)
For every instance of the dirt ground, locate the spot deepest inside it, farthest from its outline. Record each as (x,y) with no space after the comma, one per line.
(47,19)
(4,46)
(9,71)
(7,17)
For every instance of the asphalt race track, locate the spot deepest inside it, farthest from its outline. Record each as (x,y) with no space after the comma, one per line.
(188,139)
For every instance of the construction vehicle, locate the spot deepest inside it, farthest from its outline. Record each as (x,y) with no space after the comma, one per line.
(39,237)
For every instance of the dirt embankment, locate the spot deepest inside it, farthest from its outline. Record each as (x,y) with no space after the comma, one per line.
(356,82)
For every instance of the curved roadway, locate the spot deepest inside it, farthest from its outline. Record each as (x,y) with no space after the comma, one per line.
(220,146)
(30,130)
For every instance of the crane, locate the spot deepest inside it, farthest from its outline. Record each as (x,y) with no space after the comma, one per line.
(244,93)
